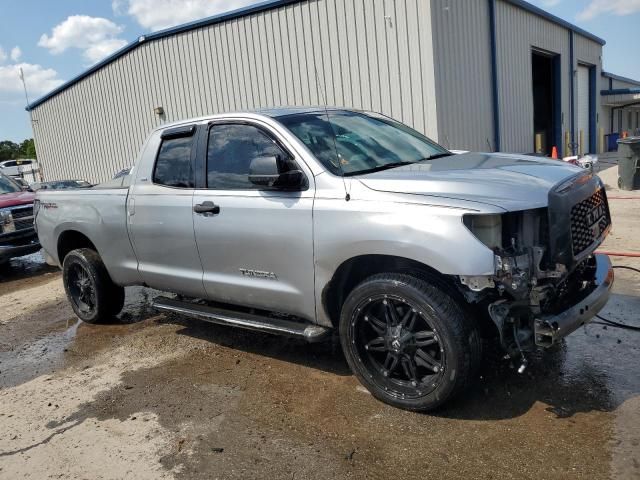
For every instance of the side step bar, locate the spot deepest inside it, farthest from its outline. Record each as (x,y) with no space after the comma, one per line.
(248,321)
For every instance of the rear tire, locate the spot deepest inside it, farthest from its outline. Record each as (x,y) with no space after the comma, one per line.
(408,342)
(92,294)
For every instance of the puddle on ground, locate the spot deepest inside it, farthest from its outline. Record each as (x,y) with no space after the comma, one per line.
(37,357)
(19,273)
(27,266)
(43,341)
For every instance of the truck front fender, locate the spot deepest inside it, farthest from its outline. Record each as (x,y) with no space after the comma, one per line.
(432,236)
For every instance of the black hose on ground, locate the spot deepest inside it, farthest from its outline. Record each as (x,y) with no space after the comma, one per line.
(611,323)
(627,268)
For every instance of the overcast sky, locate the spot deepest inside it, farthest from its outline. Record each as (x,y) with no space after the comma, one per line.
(52,41)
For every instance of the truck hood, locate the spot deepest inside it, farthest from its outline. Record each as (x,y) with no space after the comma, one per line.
(15,199)
(509,181)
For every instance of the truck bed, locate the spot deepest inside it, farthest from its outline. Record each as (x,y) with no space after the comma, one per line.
(98,213)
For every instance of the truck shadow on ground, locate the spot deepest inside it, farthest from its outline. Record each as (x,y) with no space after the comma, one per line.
(569,378)
(326,356)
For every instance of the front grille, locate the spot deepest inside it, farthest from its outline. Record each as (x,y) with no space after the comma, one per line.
(23,217)
(583,232)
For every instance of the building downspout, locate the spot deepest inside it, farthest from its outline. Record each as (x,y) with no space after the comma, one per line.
(613,111)
(593,111)
(494,76)
(572,94)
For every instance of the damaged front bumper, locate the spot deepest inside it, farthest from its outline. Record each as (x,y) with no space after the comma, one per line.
(549,329)
(549,311)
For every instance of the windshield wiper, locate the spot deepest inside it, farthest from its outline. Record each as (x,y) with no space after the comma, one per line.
(437,155)
(379,168)
(387,166)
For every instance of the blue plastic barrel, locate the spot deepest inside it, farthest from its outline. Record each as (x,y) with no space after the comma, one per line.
(612,141)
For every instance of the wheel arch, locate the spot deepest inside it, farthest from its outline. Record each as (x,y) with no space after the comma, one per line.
(353,271)
(70,240)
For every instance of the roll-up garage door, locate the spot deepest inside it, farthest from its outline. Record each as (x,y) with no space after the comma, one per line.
(582,97)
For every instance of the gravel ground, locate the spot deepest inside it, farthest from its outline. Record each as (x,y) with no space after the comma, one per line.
(162,396)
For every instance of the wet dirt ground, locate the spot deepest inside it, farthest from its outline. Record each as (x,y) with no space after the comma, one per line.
(163,396)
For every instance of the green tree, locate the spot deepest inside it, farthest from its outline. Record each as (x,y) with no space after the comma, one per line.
(8,150)
(28,149)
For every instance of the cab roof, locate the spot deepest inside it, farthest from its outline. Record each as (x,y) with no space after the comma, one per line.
(272,112)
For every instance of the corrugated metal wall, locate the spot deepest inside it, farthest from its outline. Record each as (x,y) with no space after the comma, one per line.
(518,32)
(462,62)
(376,55)
(368,54)
(589,53)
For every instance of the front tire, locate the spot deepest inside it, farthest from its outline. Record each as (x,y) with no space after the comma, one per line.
(408,342)
(92,294)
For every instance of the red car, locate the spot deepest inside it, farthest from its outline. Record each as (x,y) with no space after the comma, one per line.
(17,234)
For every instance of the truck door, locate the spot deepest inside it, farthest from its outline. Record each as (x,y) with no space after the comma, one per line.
(256,244)
(160,214)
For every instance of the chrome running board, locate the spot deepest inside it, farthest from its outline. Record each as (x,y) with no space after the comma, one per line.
(248,321)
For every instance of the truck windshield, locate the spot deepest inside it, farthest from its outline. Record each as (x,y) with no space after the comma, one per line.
(364,142)
(8,186)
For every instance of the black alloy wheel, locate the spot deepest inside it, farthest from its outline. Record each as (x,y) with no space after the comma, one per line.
(409,341)
(82,290)
(92,294)
(398,345)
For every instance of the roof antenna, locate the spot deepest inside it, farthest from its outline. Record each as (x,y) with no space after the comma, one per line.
(347,196)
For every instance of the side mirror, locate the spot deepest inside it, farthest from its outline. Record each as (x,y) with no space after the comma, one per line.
(266,172)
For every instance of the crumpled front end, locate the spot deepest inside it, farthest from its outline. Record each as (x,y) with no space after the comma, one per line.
(547,281)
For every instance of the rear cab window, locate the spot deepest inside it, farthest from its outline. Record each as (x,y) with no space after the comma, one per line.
(174,163)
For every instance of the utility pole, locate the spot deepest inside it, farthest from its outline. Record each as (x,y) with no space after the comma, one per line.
(26,95)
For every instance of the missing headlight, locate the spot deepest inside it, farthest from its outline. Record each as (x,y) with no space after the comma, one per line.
(486,228)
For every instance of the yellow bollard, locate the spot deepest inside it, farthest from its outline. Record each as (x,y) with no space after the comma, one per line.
(567,150)
(580,143)
(601,146)
(538,143)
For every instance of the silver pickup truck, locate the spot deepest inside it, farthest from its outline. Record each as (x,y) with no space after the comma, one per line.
(307,221)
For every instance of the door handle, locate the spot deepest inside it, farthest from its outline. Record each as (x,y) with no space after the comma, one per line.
(207,208)
(132,206)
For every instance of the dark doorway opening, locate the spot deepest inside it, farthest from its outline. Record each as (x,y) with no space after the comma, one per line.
(547,128)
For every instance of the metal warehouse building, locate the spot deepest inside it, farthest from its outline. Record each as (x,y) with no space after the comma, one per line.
(472,74)
(620,103)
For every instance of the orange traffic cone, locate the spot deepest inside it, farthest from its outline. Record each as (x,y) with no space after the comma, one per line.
(554,153)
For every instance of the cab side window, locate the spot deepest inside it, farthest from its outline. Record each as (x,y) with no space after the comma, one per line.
(230,150)
(173,165)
